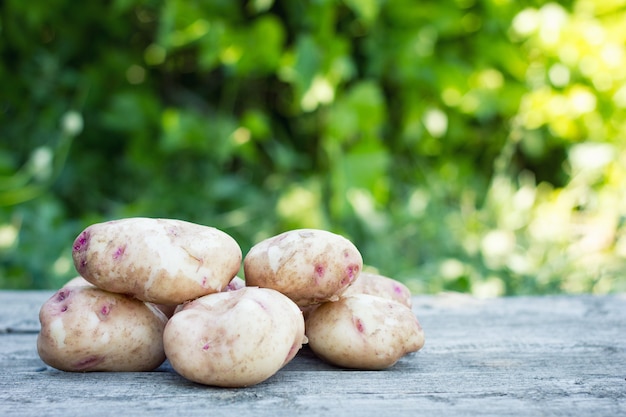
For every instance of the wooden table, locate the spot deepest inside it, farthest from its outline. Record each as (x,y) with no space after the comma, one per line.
(521,356)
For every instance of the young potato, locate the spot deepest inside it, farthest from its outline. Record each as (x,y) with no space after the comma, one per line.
(234,338)
(84,328)
(374,284)
(363,331)
(307,265)
(162,261)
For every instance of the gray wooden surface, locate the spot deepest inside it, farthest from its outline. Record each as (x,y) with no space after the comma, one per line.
(522,356)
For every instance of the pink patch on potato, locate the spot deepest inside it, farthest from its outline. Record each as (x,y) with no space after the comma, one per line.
(262,305)
(81,243)
(358,323)
(60,304)
(104,312)
(319,270)
(352,271)
(62,295)
(119,252)
(398,290)
(80,249)
(87,363)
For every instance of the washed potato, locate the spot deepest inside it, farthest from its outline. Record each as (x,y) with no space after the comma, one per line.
(163,261)
(84,328)
(382,286)
(309,266)
(363,331)
(234,338)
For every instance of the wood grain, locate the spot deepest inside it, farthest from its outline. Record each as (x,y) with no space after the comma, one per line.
(528,356)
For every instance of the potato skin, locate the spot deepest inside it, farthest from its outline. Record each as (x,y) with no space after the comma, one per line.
(382,286)
(309,266)
(79,281)
(234,338)
(363,331)
(163,261)
(84,328)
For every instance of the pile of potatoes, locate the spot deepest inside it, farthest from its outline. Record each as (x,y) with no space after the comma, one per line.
(155,289)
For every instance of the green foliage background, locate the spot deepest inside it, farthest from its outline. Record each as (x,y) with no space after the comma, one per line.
(468,145)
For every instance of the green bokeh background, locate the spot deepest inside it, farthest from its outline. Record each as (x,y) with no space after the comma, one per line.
(465,145)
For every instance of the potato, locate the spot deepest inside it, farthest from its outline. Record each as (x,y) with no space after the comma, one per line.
(234,338)
(374,284)
(84,328)
(163,261)
(363,331)
(309,266)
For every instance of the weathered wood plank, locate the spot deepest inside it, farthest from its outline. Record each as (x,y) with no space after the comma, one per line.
(552,356)
(19,310)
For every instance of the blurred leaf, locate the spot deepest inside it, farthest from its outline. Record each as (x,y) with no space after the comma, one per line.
(360,113)
(263,46)
(368,10)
